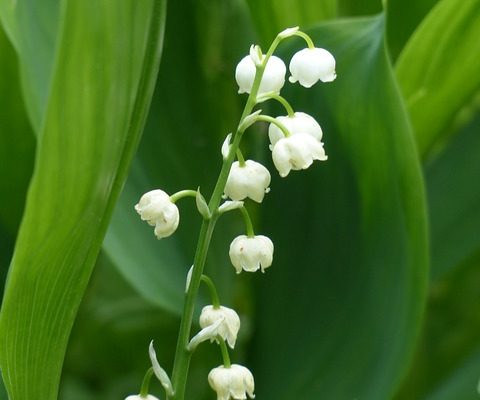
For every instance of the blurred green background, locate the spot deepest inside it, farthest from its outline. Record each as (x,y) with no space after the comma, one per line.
(374,291)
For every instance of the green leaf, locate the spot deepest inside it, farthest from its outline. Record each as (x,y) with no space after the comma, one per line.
(181,150)
(105,68)
(451,335)
(401,24)
(3,392)
(359,7)
(32,26)
(16,155)
(16,141)
(454,201)
(462,384)
(339,311)
(438,69)
(273,16)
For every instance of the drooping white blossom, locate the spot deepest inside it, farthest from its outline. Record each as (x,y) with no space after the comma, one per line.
(227,329)
(158,210)
(307,66)
(249,180)
(233,382)
(273,77)
(296,152)
(299,123)
(251,253)
(138,397)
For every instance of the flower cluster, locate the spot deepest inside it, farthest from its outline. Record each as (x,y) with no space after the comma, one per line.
(295,143)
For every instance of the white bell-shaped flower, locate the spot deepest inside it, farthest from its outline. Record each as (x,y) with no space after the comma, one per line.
(138,397)
(158,210)
(307,66)
(251,253)
(296,152)
(249,180)
(229,326)
(273,77)
(233,382)
(299,123)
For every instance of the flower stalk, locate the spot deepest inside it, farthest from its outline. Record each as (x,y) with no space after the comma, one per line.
(182,355)
(295,143)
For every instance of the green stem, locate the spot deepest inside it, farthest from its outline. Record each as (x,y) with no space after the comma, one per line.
(213,291)
(146,383)
(267,118)
(183,193)
(248,222)
(307,39)
(281,100)
(182,355)
(225,355)
(241,159)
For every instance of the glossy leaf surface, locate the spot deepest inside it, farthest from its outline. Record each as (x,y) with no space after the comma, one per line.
(454,201)
(403,18)
(32,26)
(339,311)
(438,69)
(16,143)
(104,75)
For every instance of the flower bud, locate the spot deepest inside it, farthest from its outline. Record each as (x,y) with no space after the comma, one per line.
(273,77)
(228,328)
(310,65)
(299,123)
(233,382)
(251,253)
(138,397)
(158,210)
(249,180)
(296,152)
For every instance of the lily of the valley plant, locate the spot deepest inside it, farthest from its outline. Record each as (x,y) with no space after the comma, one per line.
(295,142)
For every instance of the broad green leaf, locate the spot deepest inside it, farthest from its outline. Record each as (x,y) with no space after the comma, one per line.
(403,17)
(454,201)
(6,250)
(33,29)
(339,311)
(462,384)
(16,154)
(359,7)
(16,141)
(3,392)
(181,150)
(105,69)
(438,69)
(451,335)
(273,16)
